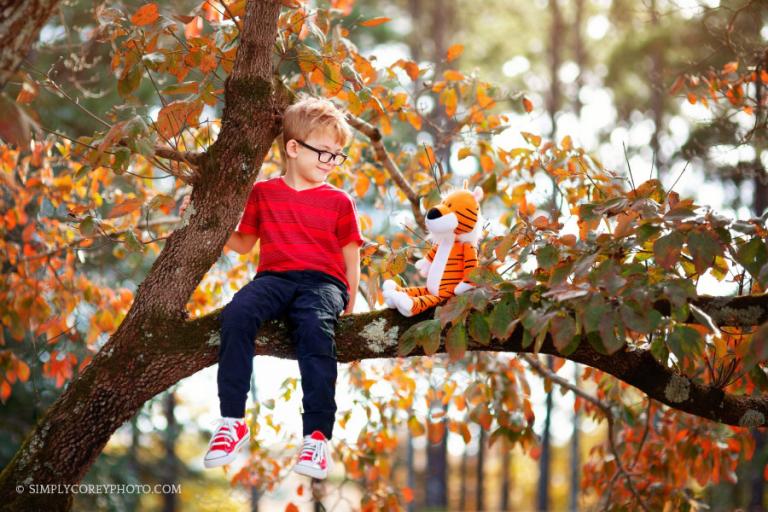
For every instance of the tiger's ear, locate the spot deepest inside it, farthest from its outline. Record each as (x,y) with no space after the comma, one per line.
(478,193)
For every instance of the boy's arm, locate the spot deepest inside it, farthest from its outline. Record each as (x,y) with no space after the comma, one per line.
(351,253)
(241,242)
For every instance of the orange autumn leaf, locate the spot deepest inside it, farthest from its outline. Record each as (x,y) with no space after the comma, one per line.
(454,52)
(145,15)
(453,75)
(731,67)
(291,508)
(375,21)
(175,116)
(450,101)
(124,207)
(527,105)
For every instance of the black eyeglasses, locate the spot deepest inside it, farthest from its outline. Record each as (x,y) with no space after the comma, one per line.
(325,156)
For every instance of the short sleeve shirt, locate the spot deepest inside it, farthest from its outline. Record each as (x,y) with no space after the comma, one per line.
(301,229)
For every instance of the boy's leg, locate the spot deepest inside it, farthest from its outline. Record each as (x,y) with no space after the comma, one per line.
(264,298)
(314,316)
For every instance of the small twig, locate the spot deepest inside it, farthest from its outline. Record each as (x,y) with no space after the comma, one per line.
(629,167)
(678,179)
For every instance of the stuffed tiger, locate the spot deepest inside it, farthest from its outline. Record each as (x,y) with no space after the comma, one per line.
(454,227)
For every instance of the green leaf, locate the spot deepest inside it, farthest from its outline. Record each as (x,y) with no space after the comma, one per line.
(456,342)
(611,340)
(454,311)
(425,334)
(759,378)
(547,256)
(563,329)
(130,81)
(593,312)
(685,341)
(704,248)
(503,318)
(639,319)
(88,226)
(758,348)
(645,232)
(122,159)
(479,330)
(752,256)
(666,249)
(131,242)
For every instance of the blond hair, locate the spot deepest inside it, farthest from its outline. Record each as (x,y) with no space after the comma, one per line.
(312,115)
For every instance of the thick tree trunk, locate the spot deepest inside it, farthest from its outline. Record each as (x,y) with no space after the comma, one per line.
(128,370)
(20,24)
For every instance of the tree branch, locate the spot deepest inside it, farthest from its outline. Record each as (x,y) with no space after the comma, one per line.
(374,335)
(385,159)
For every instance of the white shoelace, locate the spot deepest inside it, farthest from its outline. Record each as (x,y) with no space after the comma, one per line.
(317,448)
(229,433)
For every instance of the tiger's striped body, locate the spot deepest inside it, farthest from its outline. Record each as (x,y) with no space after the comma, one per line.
(454,227)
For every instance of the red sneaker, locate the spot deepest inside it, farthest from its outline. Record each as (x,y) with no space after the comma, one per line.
(230,435)
(314,459)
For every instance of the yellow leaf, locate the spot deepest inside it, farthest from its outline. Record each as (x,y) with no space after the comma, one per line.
(375,21)
(531,138)
(566,143)
(414,119)
(454,51)
(145,15)
(464,153)
(450,101)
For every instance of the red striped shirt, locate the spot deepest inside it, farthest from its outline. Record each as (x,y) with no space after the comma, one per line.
(301,229)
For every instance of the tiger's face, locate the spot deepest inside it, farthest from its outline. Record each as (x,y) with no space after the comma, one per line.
(457,213)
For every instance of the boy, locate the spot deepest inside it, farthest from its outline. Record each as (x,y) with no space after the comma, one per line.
(309,270)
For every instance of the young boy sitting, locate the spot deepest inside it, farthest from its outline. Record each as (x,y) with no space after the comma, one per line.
(308,272)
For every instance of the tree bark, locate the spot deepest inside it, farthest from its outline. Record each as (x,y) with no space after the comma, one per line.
(20,24)
(128,370)
(480,472)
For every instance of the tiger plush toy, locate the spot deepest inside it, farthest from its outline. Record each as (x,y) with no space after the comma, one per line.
(454,228)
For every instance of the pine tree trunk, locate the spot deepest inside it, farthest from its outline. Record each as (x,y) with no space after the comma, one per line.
(480,472)
(171,470)
(542,496)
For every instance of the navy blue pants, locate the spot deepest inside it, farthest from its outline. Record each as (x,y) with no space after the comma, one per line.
(311,303)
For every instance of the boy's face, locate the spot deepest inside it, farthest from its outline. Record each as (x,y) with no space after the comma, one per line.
(306,165)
